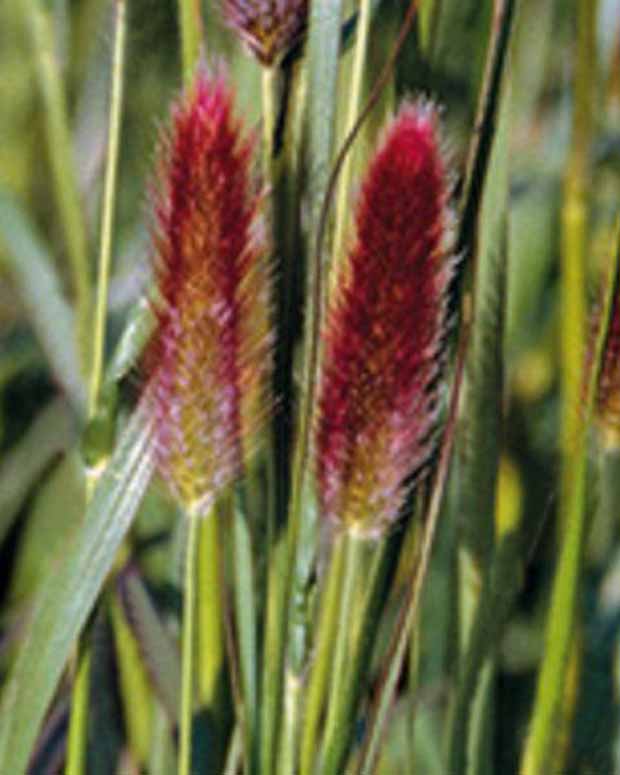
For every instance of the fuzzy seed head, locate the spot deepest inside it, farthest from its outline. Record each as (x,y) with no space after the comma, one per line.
(269,28)
(385,330)
(209,359)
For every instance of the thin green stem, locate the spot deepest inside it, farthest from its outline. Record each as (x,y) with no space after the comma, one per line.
(109,200)
(562,610)
(188,647)
(338,715)
(78,725)
(79,706)
(327,627)
(190,23)
(245,610)
(355,100)
(58,139)
(210,615)
(287,760)
(272,657)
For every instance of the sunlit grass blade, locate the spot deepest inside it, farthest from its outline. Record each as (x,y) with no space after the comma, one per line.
(64,179)
(50,433)
(39,288)
(67,598)
(158,651)
(560,628)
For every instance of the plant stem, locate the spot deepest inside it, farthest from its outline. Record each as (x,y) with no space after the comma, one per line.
(327,628)
(58,138)
(562,610)
(323,60)
(187,668)
(245,609)
(190,23)
(210,616)
(355,99)
(78,724)
(109,199)
(351,545)
(79,701)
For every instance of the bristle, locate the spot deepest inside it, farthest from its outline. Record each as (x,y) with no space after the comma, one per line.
(209,359)
(385,330)
(269,28)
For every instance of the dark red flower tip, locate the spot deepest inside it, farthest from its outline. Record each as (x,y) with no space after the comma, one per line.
(385,329)
(269,28)
(209,359)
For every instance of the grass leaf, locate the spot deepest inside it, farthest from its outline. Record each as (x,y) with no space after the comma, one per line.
(39,288)
(67,597)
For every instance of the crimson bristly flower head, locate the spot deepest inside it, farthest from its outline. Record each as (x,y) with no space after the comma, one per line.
(269,28)
(385,330)
(608,394)
(209,359)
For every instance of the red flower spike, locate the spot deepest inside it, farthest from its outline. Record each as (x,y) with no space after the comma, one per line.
(209,359)
(608,398)
(385,329)
(269,28)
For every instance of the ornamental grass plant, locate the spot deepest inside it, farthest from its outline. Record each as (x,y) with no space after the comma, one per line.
(309,367)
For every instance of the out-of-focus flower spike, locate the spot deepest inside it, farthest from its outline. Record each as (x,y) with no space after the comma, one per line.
(209,358)
(385,331)
(608,394)
(269,28)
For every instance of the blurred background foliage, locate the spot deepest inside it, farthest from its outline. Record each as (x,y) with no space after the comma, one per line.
(40,471)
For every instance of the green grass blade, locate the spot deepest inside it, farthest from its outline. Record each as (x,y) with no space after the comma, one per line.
(64,178)
(49,434)
(560,627)
(38,286)
(67,597)
(157,648)
(138,329)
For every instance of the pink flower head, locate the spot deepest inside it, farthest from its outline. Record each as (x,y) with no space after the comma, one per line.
(269,28)
(209,359)
(385,329)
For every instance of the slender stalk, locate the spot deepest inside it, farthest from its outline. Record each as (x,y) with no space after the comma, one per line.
(190,23)
(210,615)
(287,763)
(188,648)
(109,200)
(321,669)
(352,546)
(355,100)
(323,52)
(79,701)
(562,611)
(134,684)
(245,610)
(58,139)
(383,568)
(78,724)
